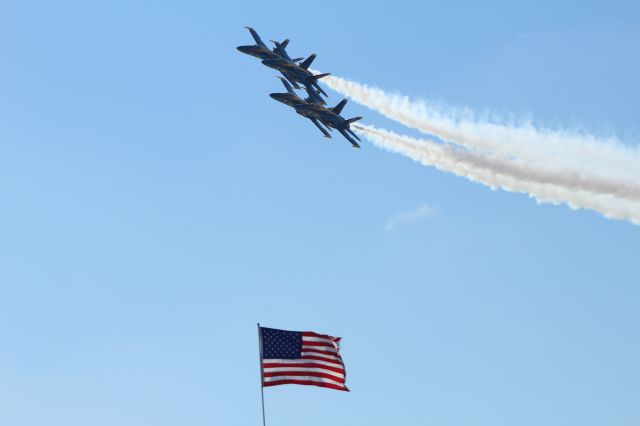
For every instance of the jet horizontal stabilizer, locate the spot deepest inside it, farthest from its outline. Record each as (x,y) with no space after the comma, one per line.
(349,138)
(314,82)
(317,86)
(316,77)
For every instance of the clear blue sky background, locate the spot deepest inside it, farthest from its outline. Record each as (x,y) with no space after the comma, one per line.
(156,204)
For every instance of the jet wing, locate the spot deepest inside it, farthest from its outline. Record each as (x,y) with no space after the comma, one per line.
(256,37)
(290,80)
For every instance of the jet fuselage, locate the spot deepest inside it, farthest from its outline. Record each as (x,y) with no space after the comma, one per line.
(259,52)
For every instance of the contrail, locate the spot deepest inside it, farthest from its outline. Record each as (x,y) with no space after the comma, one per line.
(498,173)
(561,158)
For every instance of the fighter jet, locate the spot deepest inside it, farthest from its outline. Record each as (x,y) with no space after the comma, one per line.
(292,99)
(297,73)
(331,118)
(319,114)
(261,51)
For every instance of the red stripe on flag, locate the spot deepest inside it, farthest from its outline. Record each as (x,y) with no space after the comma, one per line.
(308,383)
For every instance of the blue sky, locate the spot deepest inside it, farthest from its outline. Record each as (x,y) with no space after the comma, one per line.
(156,204)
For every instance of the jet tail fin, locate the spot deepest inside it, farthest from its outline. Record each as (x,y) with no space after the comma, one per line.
(256,37)
(307,62)
(280,46)
(338,108)
(351,120)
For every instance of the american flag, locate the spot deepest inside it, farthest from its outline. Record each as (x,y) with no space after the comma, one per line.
(301,358)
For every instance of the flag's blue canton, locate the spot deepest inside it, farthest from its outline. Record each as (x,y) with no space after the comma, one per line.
(281,344)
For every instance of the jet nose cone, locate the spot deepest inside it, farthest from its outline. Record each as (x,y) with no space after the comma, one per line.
(244,49)
(277,96)
(282,97)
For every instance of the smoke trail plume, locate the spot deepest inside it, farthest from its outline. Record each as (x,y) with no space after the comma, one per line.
(498,173)
(561,158)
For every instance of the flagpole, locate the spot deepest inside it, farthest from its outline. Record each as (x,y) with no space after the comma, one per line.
(264,423)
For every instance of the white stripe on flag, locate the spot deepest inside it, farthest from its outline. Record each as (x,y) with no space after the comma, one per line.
(324,356)
(321,348)
(318,339)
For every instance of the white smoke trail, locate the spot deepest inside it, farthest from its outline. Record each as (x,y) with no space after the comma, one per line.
(498,173)
(561,158)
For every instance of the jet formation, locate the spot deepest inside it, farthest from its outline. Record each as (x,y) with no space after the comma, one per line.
(296,75)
